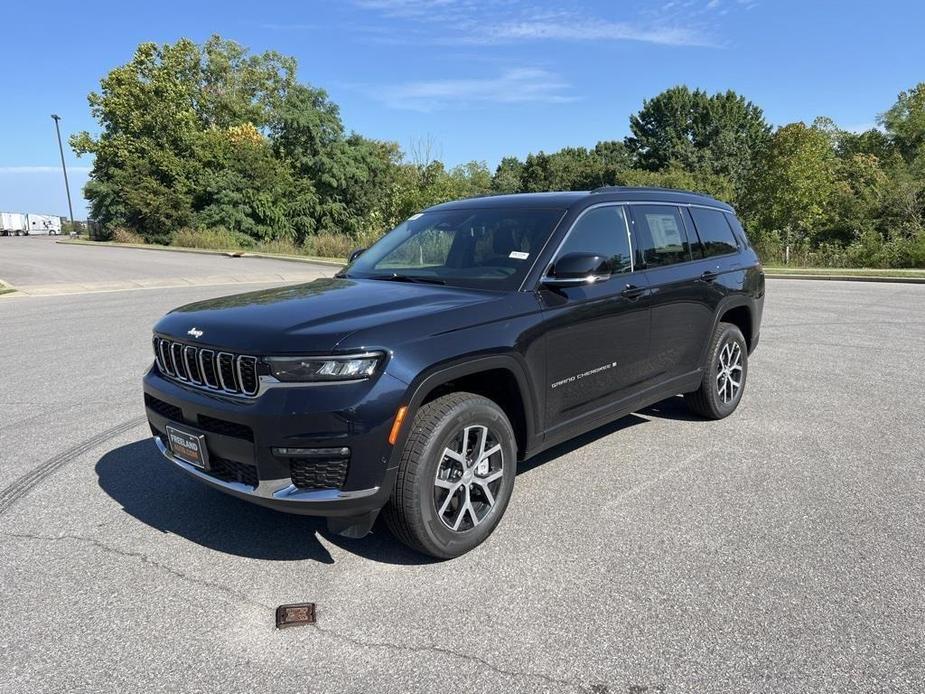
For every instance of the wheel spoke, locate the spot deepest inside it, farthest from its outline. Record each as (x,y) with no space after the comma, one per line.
(446,502)
(490,452)
(488,479)
(483,440)
(489,497)
(464,508)
(454,455)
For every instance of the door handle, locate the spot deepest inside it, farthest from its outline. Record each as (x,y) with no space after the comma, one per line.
(633,292)
(709,276)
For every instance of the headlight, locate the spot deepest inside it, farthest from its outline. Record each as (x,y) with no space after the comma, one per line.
(350,367)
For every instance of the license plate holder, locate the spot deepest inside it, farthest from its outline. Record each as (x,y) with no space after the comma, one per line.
(188,446)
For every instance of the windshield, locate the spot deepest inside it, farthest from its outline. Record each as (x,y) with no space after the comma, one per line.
(480,248)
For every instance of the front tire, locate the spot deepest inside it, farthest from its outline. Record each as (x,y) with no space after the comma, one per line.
(455,477)
(724,375)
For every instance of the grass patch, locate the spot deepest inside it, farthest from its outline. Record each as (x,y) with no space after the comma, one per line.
(274,250)
(846,272)
(4,289)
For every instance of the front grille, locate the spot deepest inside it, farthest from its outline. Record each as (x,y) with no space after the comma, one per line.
(232,471)
(225,428)
(207,369)
(164,409)
(312,473)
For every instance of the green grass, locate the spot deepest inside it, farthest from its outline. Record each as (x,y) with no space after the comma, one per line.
(4,289)
(259,252)
(846,272)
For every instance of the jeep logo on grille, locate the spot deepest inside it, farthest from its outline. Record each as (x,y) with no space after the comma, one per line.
(195,332)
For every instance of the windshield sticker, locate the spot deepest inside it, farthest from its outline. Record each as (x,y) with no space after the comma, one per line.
(519,255)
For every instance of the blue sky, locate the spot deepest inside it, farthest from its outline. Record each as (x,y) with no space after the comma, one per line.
(479,80)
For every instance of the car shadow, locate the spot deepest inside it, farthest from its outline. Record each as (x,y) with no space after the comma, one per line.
(150,489)
(163,497)
(673,408)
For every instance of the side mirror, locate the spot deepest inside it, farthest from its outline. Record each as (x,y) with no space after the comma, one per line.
(356,254)
(578,268)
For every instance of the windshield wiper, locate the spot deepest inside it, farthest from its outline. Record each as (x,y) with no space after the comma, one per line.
(395,277)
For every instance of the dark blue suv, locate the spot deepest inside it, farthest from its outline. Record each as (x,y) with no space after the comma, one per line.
(474,335)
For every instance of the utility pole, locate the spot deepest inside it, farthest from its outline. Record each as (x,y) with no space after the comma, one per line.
(55,117)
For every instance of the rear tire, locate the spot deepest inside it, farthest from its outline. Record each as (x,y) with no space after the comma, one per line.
(455,477)
(724,375)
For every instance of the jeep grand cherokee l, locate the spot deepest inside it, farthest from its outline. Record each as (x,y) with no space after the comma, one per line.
(474,335)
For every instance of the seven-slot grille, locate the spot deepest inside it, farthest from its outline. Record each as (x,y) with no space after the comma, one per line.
(207,368)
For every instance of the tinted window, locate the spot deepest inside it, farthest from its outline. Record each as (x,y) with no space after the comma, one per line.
(737,226)
(715,233)
(602,231)
(490,248)
(661,234)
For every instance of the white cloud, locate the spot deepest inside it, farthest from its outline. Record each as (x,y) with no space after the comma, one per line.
(41,169)
(521,85)
(597,31)
(510,21)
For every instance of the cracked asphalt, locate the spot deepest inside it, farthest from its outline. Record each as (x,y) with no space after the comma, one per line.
(780,550)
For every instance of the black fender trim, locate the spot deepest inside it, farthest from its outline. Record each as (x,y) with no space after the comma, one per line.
(725,305)
(458,368)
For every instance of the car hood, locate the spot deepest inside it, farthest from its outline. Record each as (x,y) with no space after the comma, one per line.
(311,317)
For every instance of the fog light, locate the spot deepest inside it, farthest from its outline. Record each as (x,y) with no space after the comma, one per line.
(343,452)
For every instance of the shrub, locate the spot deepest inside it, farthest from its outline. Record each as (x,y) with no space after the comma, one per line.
(216,238)
(282,246)
(328,245)
(123,235)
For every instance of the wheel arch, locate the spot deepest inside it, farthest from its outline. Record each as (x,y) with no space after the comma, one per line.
(501,378)
(738,313)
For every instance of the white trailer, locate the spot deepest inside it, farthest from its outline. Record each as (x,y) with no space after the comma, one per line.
(43,224)
(12,224)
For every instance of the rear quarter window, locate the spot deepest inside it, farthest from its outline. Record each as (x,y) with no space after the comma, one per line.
(716,235)
(739,230)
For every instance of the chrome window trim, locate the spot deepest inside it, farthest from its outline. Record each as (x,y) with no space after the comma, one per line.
(544,279)
(626,220)
(692,260)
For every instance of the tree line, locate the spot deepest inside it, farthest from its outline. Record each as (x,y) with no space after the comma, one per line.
(210,145)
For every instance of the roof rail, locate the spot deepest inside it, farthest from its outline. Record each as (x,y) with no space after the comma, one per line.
(647,189)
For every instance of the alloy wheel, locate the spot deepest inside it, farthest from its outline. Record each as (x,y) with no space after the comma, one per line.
(468,478)
(729,372)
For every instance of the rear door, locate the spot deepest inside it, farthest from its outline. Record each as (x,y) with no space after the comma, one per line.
(682,309)
(597,335)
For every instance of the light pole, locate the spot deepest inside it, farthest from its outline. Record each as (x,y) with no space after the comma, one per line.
(55,117)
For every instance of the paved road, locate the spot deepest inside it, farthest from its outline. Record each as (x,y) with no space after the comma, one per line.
(37,265)
(781,550)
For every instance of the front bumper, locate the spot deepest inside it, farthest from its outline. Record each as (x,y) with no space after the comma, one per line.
(242,433)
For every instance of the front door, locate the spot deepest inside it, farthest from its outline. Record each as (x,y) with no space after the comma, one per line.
(597,335)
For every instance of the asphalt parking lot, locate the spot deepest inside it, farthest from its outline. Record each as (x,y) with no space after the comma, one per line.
(780,550)
(39,266)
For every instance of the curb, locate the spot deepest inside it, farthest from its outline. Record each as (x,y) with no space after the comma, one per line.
(208,251)
(848,278)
